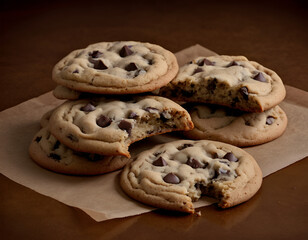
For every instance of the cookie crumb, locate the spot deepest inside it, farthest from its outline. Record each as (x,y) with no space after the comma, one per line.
(198,214)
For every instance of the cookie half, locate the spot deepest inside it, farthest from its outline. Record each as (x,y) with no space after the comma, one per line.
(51,154)
(123,67)
(236,127)
(175,174)
(232,81)
(108,126)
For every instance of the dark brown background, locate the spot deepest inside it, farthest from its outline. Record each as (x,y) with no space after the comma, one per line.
(35,35)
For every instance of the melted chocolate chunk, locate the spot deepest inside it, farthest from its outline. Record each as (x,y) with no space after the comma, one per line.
(125,125)
(103,121)
(211,86)
(131,67)
(98,64)
(56,146)
(133,115)
(194,163)
(125,51)
(260,77)
(95,54)
(55,156)
(160,162)
(206,62)
(88,108)
(172,178)
(244,92)
(185,145)
(270,120)
(38,139)
(230,156)
(197,70)
(233,63)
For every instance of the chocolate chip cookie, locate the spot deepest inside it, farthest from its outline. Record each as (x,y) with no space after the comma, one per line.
(108,126)
(51,154)
(232,81)
(234,126)
(123,67)
(175,174)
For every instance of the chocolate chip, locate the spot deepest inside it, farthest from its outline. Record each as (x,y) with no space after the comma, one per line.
(244,92)
(260,77)
(185,145)
(125,51)
(206,62)
(233,63)
(197,70)
(131,67)
(194,163)
(76,71)
(98,64)
(151,109)
(88,108)
(103,121)
(38,139)
(72,138)
(230,156)
(211,86)
(172,178)
(55,156)
(125,125)
(160,162)
(133,115)
(95,54)
(270,120)
(150,62)
(56,145)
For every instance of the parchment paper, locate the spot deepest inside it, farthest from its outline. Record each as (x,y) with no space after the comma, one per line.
(100,196)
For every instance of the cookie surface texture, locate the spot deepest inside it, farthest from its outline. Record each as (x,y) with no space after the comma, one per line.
(236,127)
(175,174)
(232,81)
(123,67)
(49,153)
(108,126)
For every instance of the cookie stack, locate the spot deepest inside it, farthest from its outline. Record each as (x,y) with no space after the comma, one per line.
(235,100)
(108,107)
(91,132)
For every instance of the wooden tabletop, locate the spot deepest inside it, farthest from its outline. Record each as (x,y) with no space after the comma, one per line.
(37,34)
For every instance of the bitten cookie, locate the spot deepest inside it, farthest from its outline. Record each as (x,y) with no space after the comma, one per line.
(49,153)
(232,81)
(236,127)
(108,126)
(175,174)
(123,67)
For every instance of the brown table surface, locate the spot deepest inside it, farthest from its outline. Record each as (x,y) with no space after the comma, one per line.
(35,35)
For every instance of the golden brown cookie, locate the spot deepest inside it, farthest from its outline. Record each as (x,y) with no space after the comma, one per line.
(175,174)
